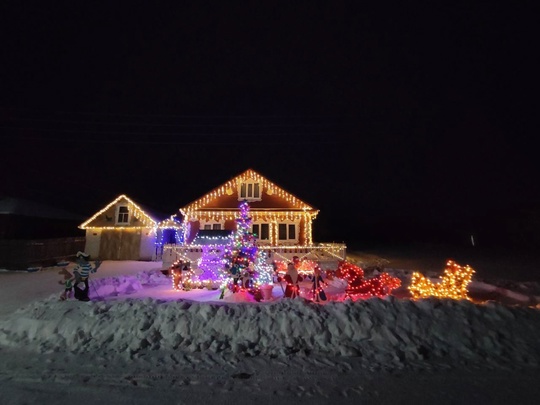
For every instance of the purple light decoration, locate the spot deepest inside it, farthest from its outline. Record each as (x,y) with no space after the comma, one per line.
(212,263)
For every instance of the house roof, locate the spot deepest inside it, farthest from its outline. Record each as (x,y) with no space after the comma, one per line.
(277,197)
(19,206)
(170,222)
(148,220)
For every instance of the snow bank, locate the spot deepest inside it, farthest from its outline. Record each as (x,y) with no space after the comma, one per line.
(113,286)
(380,330)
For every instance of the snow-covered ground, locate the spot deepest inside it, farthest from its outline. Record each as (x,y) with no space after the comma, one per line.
(138,341)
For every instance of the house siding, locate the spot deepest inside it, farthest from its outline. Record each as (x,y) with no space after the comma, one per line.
(120,244)
(146,250)
(93,241)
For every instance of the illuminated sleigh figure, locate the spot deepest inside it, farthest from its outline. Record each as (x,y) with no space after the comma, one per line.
(453,283)
(358,287)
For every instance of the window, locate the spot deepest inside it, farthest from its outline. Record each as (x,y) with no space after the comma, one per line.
(261,231)
(282,231)
(250,191)
(265,231)
(292,231)
(211,225)
(287,232)
(123,215)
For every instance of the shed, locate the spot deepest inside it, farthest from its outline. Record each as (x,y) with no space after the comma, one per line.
(122,230)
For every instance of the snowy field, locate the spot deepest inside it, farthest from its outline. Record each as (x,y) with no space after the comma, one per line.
(138,341)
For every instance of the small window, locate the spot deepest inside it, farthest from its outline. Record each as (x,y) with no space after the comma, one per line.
(250,191)
(216,226)
(255,230)
(207,226)
(123,215)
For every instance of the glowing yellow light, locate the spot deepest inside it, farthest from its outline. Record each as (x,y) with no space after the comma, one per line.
(235,183)
(453,283)
(134,210)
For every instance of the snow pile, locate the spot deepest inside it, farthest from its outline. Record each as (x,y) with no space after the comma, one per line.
(113,286)
(389,331)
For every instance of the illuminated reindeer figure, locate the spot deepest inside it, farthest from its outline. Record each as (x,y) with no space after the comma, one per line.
(378,286)
(453,283)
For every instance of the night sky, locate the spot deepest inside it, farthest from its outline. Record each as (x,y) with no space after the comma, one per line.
(416,122)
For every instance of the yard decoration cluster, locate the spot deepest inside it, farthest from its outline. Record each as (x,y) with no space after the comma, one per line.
(240,266)
(453,283)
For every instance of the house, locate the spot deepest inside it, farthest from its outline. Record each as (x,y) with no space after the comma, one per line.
(282,223)
(123,230)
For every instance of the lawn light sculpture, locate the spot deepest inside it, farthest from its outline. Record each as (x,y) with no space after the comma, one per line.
(453,283)
(359,287)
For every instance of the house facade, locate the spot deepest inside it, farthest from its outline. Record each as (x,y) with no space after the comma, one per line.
(123,230)
(282,223)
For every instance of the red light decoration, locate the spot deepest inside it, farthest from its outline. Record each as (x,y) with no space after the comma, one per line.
(378,286)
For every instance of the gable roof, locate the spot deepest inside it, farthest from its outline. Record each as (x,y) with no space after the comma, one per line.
(136,210)
(231,186)
(170,223)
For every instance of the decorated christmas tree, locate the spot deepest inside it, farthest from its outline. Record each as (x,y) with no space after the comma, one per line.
(264,272)
(240,256)
(246,265)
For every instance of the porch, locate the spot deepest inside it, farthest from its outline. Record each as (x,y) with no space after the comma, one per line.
(327,254)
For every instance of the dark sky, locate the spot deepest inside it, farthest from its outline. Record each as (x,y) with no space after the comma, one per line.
(386,117)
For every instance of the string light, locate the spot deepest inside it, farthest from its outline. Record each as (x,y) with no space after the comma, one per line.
(453,283)
(134,210)
(378,286)
(300,213)
(212,263)
(176,275)
(247,176)
(181,276)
